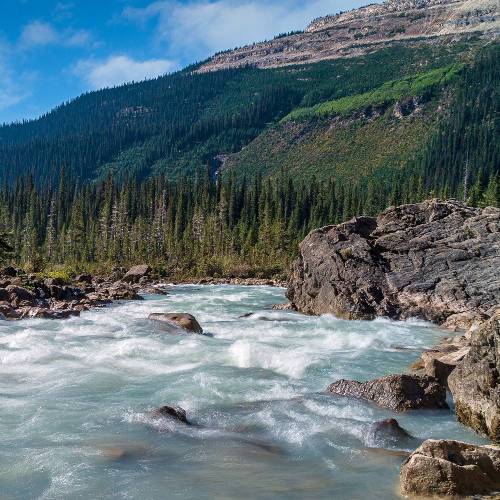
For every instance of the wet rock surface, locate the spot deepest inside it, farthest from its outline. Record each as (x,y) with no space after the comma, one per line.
(474,383)
(451,468)
(389,432)
(396,392)
(442,359)
(437,260)
(183,321)
(173,412)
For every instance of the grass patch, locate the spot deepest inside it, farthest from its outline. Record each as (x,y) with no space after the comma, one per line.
(387,93)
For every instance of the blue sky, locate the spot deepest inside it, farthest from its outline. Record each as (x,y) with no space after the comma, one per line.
(52,51)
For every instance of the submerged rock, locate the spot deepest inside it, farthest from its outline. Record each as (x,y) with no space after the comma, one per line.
(175,412)
(396,392)
(53,313)
(475,381)
(184,321)
(448,468)
(436,260)
(390,428)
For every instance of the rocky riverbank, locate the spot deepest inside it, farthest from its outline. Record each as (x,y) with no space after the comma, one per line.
(24,295)
(439,261)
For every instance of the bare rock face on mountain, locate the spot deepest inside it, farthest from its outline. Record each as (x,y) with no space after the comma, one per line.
(474,382)
(366,30)
(450,468)
(395,392)
(436,260)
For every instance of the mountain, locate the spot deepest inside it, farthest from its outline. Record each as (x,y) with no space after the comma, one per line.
(380,92)
(365,30)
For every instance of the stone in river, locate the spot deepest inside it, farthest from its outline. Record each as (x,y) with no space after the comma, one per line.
(175,412)
(390,428)
(184,321)
(396,392)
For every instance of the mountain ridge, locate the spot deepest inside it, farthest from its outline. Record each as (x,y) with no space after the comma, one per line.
(365,29)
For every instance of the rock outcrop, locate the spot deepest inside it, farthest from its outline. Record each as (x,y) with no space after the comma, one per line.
(436,260)
(474,382)
(183,321)
(395,392)
(451,468)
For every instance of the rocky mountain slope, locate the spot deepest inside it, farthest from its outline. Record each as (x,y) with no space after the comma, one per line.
(365,30)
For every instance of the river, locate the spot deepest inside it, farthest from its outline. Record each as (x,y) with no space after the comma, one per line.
(75,398)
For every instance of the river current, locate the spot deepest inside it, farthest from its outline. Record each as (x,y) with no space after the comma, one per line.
(76,396)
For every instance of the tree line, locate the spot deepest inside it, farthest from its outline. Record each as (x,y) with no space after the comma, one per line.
(191,226)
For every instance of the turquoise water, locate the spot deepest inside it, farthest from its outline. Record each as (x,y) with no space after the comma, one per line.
(75,397)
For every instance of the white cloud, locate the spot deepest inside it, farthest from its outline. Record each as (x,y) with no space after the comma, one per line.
(79,38)
(200,27)
(13,86)
(120,69)
(38,33)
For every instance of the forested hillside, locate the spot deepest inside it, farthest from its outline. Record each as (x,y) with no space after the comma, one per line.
(177,123)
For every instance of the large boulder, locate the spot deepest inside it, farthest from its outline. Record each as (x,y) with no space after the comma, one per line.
(396,392)
(437,260)
(474,382)
(451,468)
(183,321)
(135,273)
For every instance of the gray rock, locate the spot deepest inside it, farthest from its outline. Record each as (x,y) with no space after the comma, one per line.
(474,383)
(135,273)
(435,260)
(184,321)
(389,433)
(174,412)
(450,468)
(52,313)
(396,392)
(8,271)
(20,293)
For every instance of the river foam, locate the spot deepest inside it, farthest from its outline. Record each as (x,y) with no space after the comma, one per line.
(75,398)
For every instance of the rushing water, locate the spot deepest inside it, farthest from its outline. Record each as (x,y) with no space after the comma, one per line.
(75,396)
